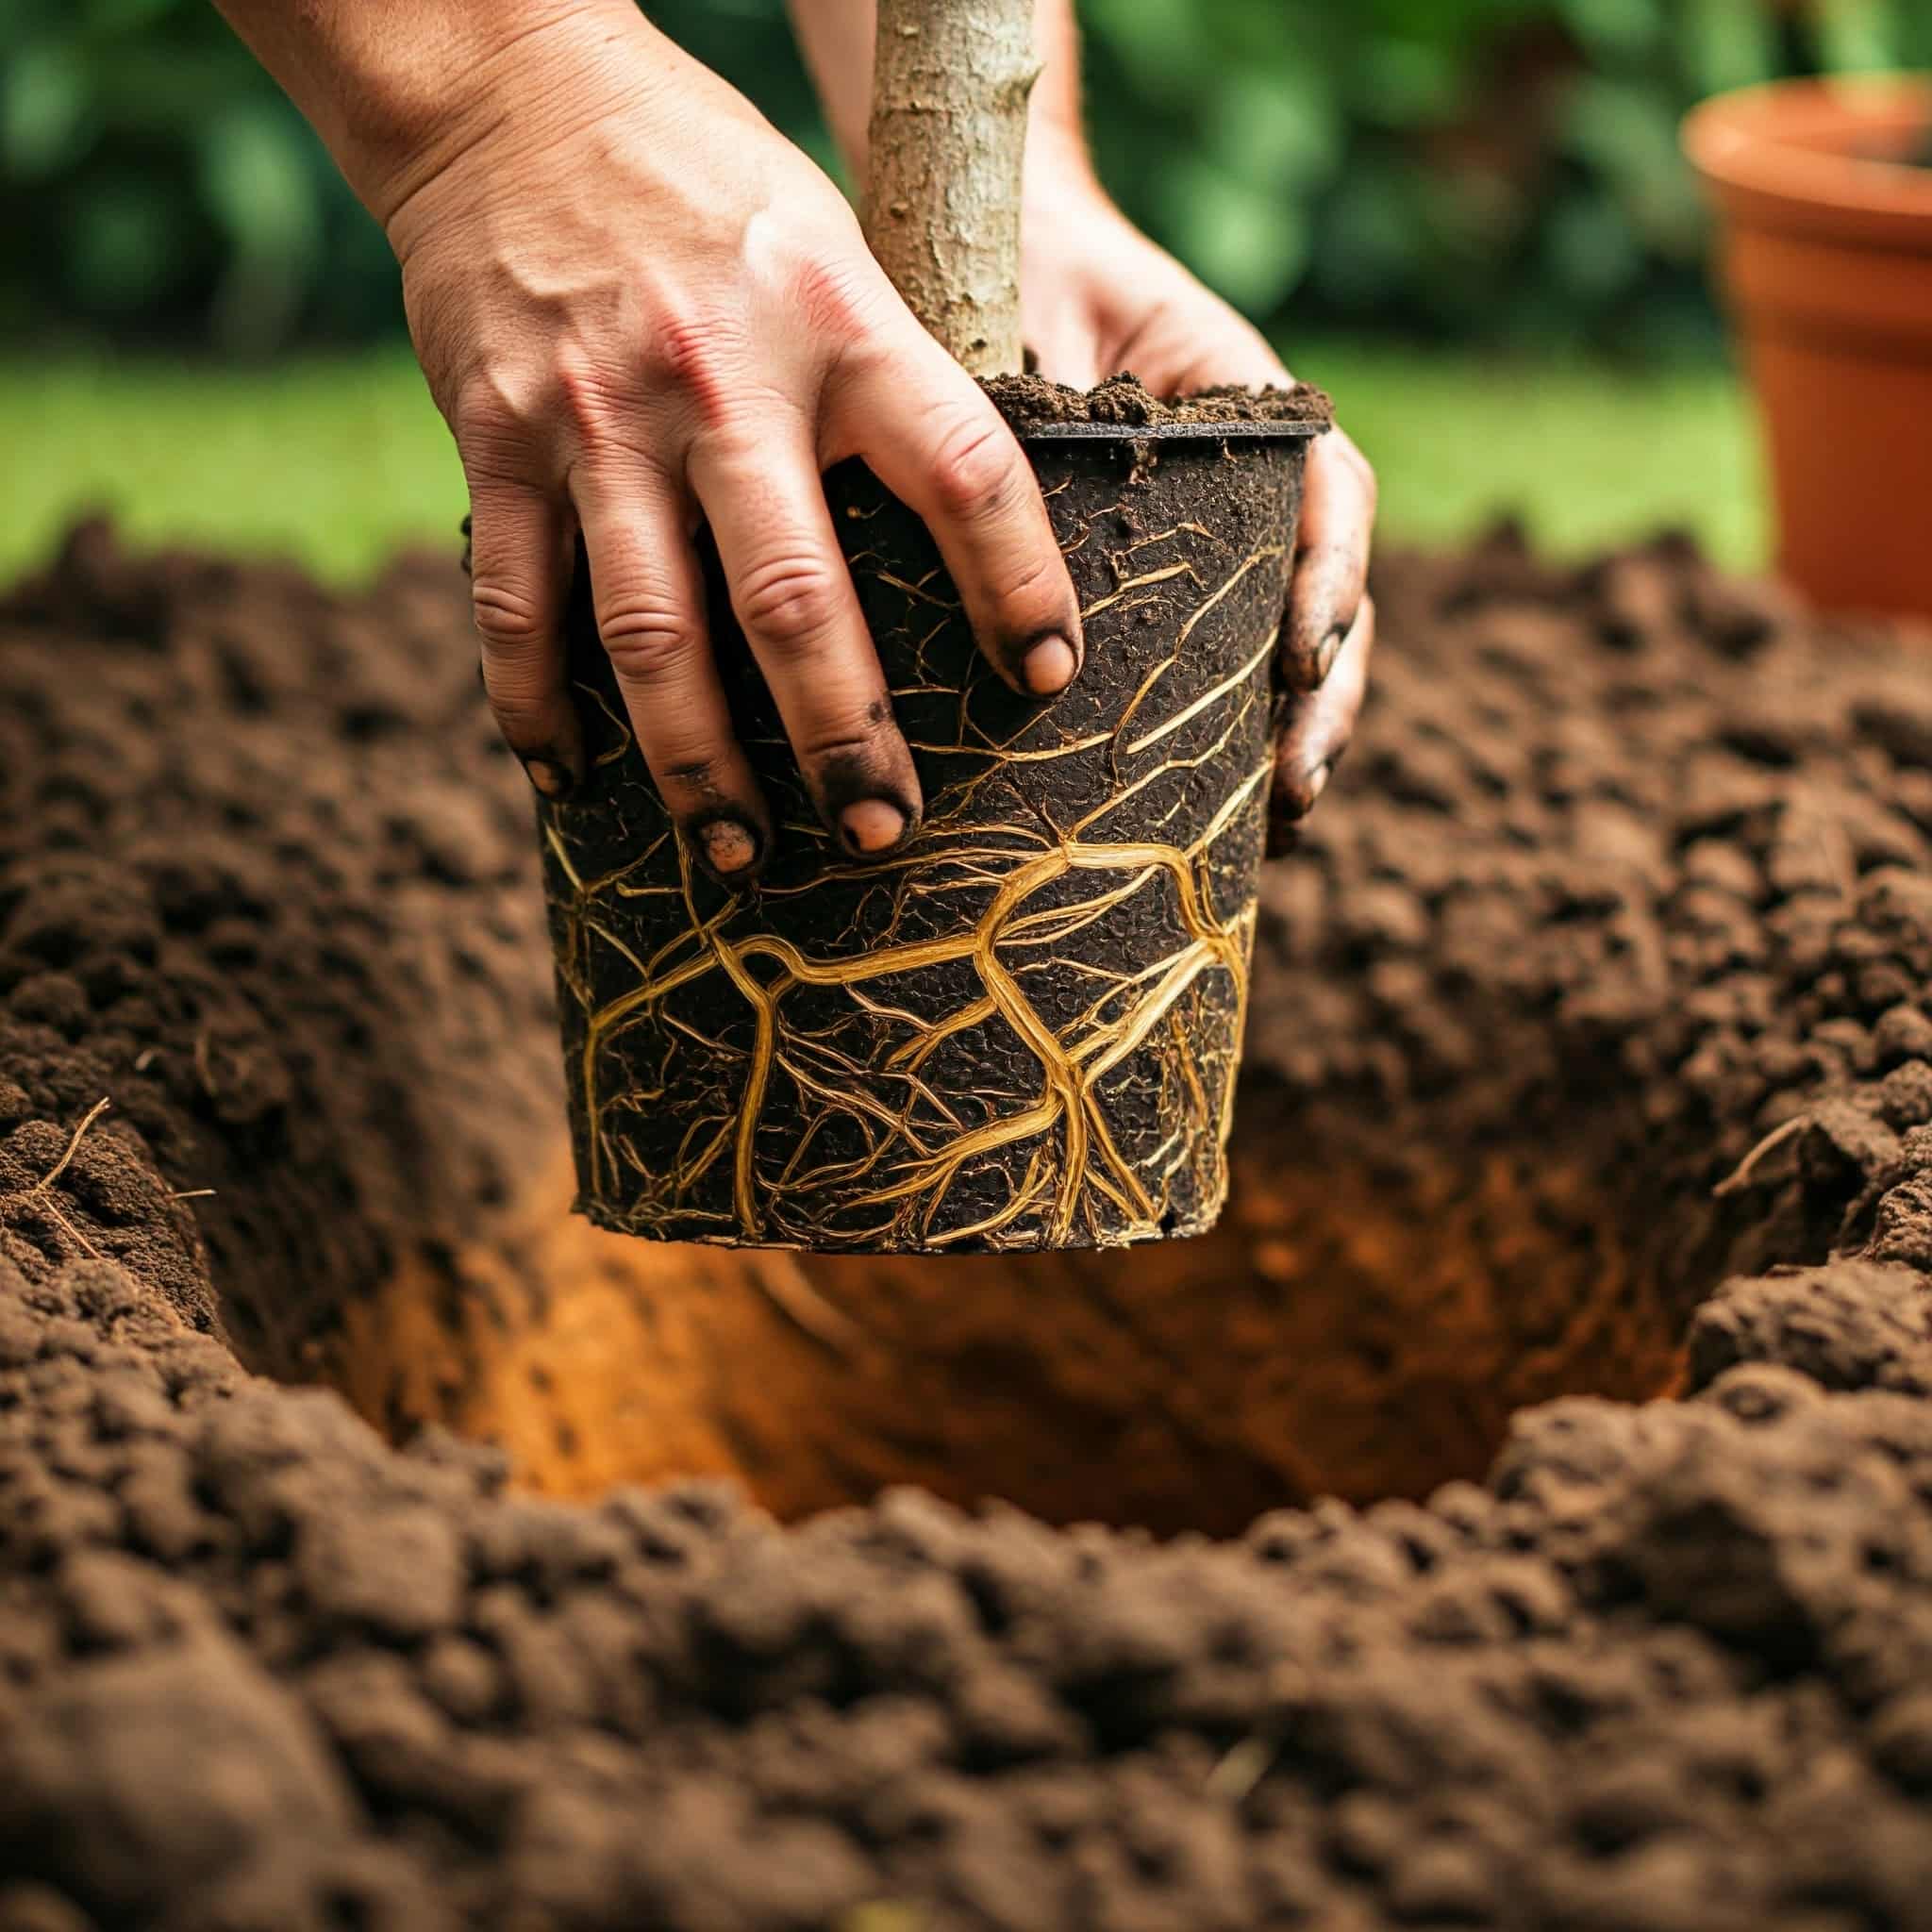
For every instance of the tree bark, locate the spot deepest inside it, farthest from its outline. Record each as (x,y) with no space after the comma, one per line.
(944,156)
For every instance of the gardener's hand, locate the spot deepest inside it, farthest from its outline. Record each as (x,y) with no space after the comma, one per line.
(636,304)
(1100,297)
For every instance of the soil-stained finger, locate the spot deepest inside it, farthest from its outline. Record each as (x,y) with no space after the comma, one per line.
(649,600)
(794,601)
(1318,730)
(519,582)
(929,434)
(1331,570)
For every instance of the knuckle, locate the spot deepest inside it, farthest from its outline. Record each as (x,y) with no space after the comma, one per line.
(975,469)
(496,408)
(861,741)
(589,402)
(834,297)
(505,616)
(788,602)
(866,356)
(520,705)
(646,640)
(1032,574)
(697,770)
(689,353)
(842,753)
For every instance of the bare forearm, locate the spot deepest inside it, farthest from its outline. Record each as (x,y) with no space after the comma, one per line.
(396,87)
(836,37)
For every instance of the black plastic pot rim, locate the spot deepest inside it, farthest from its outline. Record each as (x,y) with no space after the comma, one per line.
(1169,432)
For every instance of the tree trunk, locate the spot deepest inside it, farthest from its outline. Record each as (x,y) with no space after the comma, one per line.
(946,152)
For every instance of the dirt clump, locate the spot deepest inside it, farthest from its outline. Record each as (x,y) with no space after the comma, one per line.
(1625,885)
(1666,1668)
(231,807)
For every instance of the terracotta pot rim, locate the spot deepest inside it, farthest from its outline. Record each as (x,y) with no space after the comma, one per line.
(1795,153)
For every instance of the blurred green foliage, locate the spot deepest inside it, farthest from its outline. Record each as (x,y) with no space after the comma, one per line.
(187,450)
(1447,168)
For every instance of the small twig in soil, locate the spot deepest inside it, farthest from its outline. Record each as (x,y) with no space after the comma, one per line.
(46,1184)
(68,1229)
(191,1195)
(1741,1177)
(60,1167)
(1245,1765)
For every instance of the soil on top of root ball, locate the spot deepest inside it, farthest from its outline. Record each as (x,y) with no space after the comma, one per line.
(1626,877)
(1124,400)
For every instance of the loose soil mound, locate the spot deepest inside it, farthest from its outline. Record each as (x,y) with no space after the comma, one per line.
(1605,973)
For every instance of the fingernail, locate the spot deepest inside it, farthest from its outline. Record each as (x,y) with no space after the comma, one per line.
(872,825)
(550,779)
(1048,667)
(729,845)
(1331,649)
(1317,782)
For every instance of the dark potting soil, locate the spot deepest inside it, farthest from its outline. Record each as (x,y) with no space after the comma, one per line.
(1627,854)
(231,809)
(1124,399)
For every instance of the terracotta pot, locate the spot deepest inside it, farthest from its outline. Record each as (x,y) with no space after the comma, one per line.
(1827,263)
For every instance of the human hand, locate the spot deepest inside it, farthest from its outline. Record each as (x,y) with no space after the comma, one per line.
(1099,297)
(638,306)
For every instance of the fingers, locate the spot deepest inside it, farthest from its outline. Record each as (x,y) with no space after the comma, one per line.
(795,604)
(1064,351)
(1319,727)
(649,603)
(1332,561)
(519,578)
(931,437)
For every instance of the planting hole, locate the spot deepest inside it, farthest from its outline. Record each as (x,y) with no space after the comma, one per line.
(1363,1323)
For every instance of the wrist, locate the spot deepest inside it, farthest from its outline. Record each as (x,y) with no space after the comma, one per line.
(477,78)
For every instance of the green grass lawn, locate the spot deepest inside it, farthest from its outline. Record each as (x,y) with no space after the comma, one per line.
(336,462)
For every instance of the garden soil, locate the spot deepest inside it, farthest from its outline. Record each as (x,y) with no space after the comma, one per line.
(1591,1053)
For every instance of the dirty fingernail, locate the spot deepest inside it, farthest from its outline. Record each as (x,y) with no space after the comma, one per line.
(729,845)
(872,825)
(1048,667)
(550,779)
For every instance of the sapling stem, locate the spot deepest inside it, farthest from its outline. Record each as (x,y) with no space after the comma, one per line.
(946,154)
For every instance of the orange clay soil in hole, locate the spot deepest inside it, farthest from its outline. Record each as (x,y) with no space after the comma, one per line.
(1344,1330)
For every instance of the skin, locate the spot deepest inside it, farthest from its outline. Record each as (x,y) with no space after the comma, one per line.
(640,308)
(1099,297)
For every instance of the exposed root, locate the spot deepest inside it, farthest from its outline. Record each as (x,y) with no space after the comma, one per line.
(60,1167)
(1740,1178)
